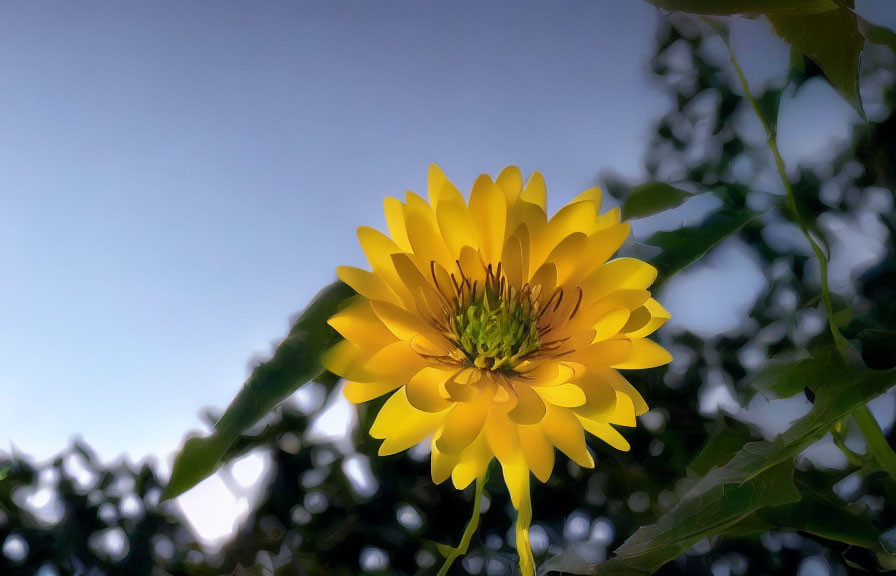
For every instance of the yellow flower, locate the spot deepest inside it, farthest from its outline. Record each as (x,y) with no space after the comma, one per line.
(498,332)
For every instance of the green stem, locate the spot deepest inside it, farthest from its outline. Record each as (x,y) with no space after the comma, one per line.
(838,434)
(772,140)
(875,439)
(472,525)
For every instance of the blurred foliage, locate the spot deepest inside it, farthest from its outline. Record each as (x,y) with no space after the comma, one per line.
(703,491)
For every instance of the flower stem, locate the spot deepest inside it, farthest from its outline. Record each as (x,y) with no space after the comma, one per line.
(523,521)
(838,433)
(772,141)
(472,525)
(875,439)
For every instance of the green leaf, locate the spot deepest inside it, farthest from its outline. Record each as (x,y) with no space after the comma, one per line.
(814,516)
(570,561)
(684,246)
(758,476)
(295,361)
(827,519)
(719,501)
(877,34)
(788,378)
(728,7)
(832,40)
(651,198)
(727,437)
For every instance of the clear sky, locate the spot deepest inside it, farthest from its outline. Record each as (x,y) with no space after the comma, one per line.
(178,179)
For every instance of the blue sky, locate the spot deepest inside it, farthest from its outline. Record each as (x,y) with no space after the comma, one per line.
(178,179)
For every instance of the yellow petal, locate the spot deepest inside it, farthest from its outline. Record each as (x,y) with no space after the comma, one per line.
(529,407)
(441,280)
(511,181)
(565,395)
(538,452)
(638,319)
(657,317)
(532,219)
(440,188)
(427,299)
(572,218)
(600,395)
(472,463)
(502,436)
(402,425)
(590,312)
(463,424)
(379,249)
(512,262)
(563,429)
(516,477)
(406,325)
(360,392)
(488,208)
(536,192)
(441,464)
(522,233)
(567,256)
(620,384)
(644,354)
(624,413)
(420,207)
(456,226)
(606,353)
(346,360)
(423,389)
(367,284)
(610,324)
(471,264)
(358,324)
(593,195)
(606,433)
(459,387)
(409,273)
(394,209)
(602,245)
(545,279)
(618,274)
(549,373)
(610,218)
(426,240)
(395,360)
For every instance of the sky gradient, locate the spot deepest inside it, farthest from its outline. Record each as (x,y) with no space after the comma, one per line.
(178,179)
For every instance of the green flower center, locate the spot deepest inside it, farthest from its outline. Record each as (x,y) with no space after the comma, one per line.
(496,333)
(494,326)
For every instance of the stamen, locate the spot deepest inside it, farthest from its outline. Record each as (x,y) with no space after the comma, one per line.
(559,300)
(578,303)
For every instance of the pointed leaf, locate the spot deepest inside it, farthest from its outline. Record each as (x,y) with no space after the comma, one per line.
(295,361)
(832,40)
(651,198)
(758,476)
(684,246)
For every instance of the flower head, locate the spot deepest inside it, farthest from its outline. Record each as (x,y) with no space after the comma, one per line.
(498,332)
